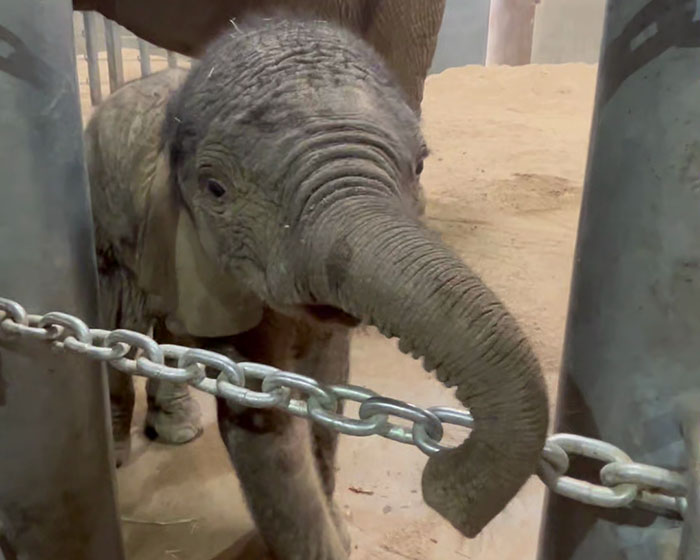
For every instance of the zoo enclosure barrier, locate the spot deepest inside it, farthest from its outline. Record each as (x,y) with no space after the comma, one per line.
(36,192)
(625,483)
(93,24)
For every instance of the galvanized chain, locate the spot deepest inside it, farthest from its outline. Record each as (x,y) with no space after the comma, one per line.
(624,482)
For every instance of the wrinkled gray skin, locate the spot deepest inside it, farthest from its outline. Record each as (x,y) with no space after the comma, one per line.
(280,209)
(404,32)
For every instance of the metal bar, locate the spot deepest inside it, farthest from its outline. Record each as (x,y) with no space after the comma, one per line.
(689,412)
(115,64)
(56,477)
(511,25)
(144,57)
(172,59)
(634,318)
(90,24)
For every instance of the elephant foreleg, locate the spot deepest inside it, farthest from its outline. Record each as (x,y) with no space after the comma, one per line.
(326,359)
(173,415)
(285,467)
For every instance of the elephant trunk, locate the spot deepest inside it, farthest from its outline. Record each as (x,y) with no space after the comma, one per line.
(382,267)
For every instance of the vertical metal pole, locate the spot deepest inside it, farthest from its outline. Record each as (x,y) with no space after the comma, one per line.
(172,59)
(56,476)
(511,24)
(689,414)
(90,24)
(634,320)
(115,64)
(144,58)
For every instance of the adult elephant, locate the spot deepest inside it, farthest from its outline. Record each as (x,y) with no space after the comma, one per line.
(263,204)
(404,32)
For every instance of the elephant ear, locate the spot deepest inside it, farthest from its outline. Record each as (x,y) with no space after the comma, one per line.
(155,266)
(182,281)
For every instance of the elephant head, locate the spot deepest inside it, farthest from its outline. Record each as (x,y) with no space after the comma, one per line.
(297,157)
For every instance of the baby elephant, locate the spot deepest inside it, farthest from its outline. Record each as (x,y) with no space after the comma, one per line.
(263,204)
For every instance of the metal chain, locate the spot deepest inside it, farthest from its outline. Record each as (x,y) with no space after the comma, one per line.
(624,482)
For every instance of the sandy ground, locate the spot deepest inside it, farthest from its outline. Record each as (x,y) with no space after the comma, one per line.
(503,184)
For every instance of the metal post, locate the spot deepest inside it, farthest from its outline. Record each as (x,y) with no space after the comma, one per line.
(115,64)
(634,320)
(172,59)
(56,477)
(90,24)
(689,414)
(144,58)
(511,24)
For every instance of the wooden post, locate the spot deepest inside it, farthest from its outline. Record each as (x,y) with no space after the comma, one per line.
(511,23)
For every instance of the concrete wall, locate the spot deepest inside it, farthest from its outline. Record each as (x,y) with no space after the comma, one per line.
(568,31)
(462,38)
(565,31)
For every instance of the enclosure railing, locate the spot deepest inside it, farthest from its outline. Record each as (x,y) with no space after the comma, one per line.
(111,43)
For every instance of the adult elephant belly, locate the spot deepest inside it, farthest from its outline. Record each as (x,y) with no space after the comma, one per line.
(404,32)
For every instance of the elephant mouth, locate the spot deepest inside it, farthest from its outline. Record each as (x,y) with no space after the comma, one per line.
(330,315)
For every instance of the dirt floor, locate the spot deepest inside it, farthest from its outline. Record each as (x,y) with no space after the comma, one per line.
(503,184)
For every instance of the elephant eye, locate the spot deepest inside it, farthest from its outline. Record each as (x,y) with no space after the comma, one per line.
(214,187)
(419,167)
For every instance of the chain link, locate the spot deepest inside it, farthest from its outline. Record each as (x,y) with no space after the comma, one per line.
(624,483)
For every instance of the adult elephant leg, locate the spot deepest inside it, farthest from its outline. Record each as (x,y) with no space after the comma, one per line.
(273,454)
(122,306)
(173,415)
(405,33)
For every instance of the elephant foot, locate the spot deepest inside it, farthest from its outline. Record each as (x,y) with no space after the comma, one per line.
(175,422)
(248,547)
(122,450)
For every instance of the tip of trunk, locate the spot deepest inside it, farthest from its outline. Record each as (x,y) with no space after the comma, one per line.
(473,483)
